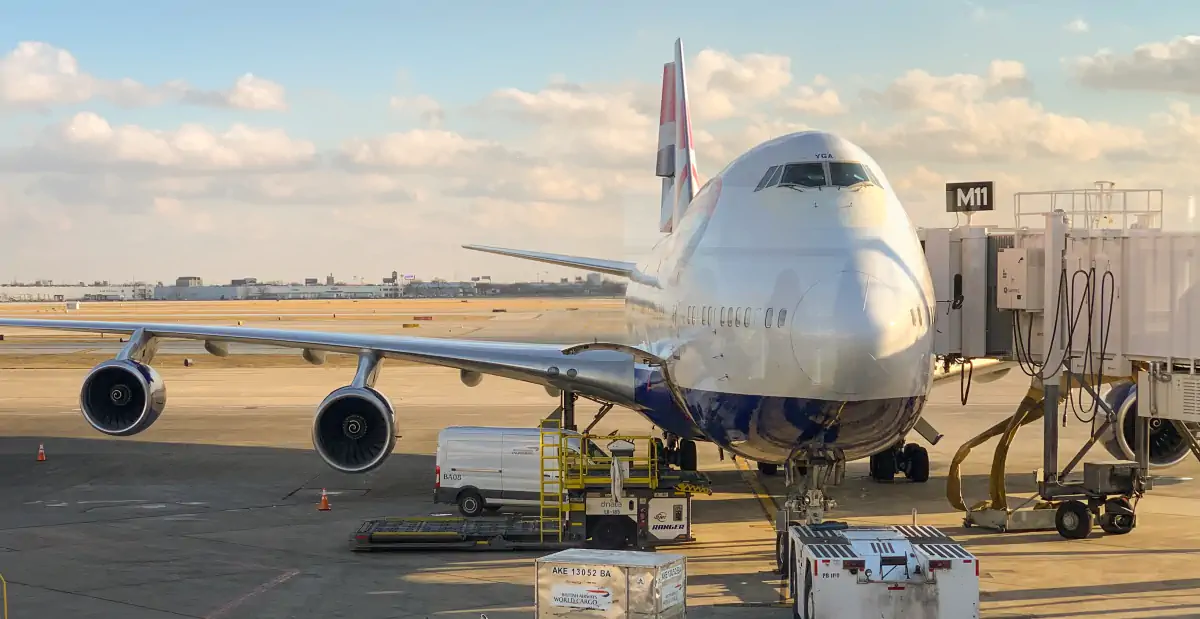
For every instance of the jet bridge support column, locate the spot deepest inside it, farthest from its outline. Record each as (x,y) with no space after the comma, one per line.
(1056,321)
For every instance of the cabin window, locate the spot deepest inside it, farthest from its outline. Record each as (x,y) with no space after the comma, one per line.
(749,313)
(767,322)
(737,321)
(722,316)
(847,174)
(782,317)
(712,315)
(804,175)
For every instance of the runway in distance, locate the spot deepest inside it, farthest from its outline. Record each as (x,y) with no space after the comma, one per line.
(787,306)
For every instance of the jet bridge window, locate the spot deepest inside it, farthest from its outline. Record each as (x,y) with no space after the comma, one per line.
(804,175)
(848,173)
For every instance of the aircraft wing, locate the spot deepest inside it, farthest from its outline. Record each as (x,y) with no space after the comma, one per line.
(599,265)
(604,374)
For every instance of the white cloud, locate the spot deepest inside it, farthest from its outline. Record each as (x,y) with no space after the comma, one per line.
(416,149)
(809,100)
(426,108)
(562,167)
(1172,66)
(86,138)
(1077,26)
(918,89)
(248,93)
(37,75)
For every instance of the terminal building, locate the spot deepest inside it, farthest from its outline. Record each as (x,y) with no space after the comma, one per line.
(192,288)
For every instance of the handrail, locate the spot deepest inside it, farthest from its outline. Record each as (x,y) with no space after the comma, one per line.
(577,468)
(4,585)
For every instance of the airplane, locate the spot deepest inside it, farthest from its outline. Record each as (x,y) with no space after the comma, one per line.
(787,308)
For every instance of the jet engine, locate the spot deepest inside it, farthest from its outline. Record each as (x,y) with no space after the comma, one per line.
(354,430)
(1167,446)
(122,397)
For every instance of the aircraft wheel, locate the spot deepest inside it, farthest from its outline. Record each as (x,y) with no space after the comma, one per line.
(1118,518)
(1073,520)
(687,455)
(768,469)
(883,466)
(917,458)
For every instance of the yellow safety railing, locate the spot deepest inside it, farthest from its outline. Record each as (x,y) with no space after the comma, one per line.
(550,489)
(584,469)
(4,594)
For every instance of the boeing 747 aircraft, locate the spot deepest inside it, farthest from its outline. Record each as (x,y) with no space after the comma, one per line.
(786,316)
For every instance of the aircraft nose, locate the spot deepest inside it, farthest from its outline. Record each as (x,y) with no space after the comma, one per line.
(850,332)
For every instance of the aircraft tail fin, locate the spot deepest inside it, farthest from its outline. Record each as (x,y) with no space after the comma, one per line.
(676,160)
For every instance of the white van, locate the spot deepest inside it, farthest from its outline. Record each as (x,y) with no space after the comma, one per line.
(480,468)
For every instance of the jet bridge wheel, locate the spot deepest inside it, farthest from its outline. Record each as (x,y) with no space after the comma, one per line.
(1073,520)
(1118,518)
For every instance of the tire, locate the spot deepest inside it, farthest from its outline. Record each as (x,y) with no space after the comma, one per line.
(807,600)
(782,563)
(610,533)
(768,469)
(1073,520)
(883,466)
(687,455)
(918,463)
(470,504)
(1117,518)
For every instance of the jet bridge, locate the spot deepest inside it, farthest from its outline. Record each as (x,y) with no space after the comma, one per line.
(1086,294)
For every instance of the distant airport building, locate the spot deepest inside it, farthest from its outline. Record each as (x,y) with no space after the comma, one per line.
(126,292)
(248,288)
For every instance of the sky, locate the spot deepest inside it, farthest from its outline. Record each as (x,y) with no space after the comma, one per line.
(144,140)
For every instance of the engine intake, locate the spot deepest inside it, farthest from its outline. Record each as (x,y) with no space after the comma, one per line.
(122,397)
(1167,446)
(354,430)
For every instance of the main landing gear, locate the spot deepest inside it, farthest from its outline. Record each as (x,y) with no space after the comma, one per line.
(680,451)
(911,459)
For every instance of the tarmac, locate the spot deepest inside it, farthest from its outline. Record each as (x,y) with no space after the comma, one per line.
(212,513)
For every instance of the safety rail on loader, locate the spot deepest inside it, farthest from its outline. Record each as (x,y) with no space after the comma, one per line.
(584,470)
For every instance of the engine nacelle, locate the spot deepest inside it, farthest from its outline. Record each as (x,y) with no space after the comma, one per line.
(1167,446)
(122,397)
(354,430)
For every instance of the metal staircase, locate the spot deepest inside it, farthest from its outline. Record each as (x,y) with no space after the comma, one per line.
(552,490)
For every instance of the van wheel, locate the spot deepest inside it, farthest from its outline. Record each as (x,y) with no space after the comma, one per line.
(470,503)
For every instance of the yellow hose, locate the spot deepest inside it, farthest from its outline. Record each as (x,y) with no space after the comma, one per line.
(1028,411)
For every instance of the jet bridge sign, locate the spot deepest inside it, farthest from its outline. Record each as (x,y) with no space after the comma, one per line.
(970,197)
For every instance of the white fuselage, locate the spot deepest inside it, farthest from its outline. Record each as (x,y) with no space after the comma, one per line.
(795,315)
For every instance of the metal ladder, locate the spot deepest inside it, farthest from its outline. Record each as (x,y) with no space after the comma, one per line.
(551,491)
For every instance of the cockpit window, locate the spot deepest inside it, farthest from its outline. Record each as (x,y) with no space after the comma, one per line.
(804,175)
(847,174)
(766,177)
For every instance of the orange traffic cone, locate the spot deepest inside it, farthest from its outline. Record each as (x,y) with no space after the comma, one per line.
(41,453)
(324,506)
